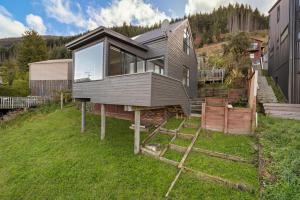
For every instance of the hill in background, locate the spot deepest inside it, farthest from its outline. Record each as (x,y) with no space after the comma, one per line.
(207,28)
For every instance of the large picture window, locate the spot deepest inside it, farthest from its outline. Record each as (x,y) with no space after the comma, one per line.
(89,63)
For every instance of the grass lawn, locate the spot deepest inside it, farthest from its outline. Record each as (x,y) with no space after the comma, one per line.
(238,145)
(236,172)
(280,139)
(193,121)
(173,155)
(173,123)
(45,156)
(182,142)
(160,138)
(189,187)
(191,131)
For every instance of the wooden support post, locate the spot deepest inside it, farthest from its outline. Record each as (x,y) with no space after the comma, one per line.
(203,116)
(61,100)
(137,123)
(83,108)
(103,121)
(226,118)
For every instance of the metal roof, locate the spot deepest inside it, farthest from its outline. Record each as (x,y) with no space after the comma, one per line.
(156,33)
(100,32)
(137,41)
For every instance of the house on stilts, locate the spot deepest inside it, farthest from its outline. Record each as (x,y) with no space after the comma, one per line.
(140,78)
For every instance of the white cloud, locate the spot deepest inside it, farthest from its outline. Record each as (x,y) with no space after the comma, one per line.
(119,11)
(9,27)
(64,12)
(36,22)
(194,6)
(130,11)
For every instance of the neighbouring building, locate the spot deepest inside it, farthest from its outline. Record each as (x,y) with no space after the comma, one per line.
(46,78)
(141,77)
(256,50)
(284,47)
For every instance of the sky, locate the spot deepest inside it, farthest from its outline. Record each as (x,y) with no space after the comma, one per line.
(70,17)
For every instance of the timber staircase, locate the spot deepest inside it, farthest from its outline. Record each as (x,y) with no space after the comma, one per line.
(265,92)
(196,106)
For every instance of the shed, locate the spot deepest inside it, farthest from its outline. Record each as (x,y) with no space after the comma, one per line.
(48,77)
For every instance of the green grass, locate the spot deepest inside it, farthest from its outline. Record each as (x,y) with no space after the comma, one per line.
(191,131)
(238,145)
(182,142)
(189,187)
(160,138)
(173,155)
(237,172)
(277,91)
(173,123)
(193,121)
(280,139)
(44,156)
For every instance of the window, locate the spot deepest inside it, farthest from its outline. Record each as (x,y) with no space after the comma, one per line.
(115,62)
(284,34)
(254,45)
(89,63)
(129,63)
(121,62)
(186,77)
(278,14)
(140,65)
(156,65)
(186,41)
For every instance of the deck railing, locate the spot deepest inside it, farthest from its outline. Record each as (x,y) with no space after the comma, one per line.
(21,102)
(212,75)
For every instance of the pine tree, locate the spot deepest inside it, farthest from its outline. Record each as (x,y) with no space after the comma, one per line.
(32,48)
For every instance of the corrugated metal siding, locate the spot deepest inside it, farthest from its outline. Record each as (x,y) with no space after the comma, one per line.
(177,59)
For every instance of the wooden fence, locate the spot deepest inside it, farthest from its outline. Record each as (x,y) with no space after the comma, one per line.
(21,102)
(211,75)
(219,115)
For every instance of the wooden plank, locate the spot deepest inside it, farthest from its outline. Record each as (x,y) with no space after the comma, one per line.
(173,182)
(189,149)
(220,155)
(216,179)
(137,123)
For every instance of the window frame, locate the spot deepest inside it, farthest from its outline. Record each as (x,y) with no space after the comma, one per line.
(123,52)
(103,60)
(187,41)
(186,76)
(278,14)
(161,69)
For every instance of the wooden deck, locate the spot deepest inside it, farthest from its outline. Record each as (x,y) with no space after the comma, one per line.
(21,102)
(286,111)
(213,75)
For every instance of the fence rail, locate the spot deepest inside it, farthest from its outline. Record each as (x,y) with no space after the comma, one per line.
(21,102)
(211,75)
